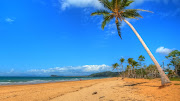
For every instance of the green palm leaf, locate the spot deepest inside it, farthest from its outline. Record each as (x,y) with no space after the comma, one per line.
(125,3)
(128,3)
(144,10)
(106,4)
(116,9)
(118,24)
(115,66)
(100,12)
(106,20)
(131,13)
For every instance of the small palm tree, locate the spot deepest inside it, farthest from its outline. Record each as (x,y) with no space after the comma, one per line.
(128,69)
(134,64)
(117,9)
(141,59)
(115,66)
(122,61)
(130,60)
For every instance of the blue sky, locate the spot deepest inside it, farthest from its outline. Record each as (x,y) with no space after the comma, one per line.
(43,37)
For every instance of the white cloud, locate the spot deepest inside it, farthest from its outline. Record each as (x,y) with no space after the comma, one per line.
(9,20)
(163,50)
(158,1)
(79,3)
(70,70)
(95,68)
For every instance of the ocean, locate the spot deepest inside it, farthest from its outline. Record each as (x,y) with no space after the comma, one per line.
(37,80)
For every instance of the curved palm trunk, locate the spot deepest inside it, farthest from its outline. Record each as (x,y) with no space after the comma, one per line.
(164,78)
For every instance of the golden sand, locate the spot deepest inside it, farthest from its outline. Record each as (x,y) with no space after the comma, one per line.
(110,89)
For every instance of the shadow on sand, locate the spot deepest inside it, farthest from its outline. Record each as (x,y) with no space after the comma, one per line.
(139,84)
(135,84)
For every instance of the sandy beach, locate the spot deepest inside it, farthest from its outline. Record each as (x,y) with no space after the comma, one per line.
(110,89)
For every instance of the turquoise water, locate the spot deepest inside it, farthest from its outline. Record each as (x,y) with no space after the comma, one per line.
(36,80)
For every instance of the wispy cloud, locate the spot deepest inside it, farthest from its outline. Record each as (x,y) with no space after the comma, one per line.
(163,50)
(9,20)
(79,3)
(95,68)
(157,1)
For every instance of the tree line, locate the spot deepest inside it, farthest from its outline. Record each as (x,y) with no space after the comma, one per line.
(138,69)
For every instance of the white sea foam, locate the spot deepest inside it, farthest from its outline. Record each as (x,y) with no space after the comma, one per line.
(30,82)
(37,81)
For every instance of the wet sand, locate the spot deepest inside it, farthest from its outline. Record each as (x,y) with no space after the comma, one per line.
(110,89)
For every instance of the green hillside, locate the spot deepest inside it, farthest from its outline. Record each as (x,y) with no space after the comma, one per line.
(105,74)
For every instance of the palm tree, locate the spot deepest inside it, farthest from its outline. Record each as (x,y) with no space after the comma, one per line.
(127,69)
(122,61)
(130,60)
(141,59)
(134,64)
(117,9)
(115,66)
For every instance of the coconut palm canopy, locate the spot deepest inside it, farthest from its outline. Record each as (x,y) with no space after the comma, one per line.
(130,60)
(115,66)
(134,63)
(117,9)
(122,60)
(141,58)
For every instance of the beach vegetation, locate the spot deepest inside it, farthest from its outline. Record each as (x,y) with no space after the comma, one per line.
(105,74)
(174,58)
(115,66)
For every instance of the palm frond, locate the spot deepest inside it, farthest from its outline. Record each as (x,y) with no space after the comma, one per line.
(118,24)
(131,13)
(134,63)
(128,3)
(100,12)
(106,20)
(122,60)
(115,66)
(116,4)
(107,4)
(113,3)
(130,60)
(141,10)
(125,3)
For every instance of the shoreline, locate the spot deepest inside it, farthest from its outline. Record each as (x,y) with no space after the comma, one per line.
(92,90)
(38,81)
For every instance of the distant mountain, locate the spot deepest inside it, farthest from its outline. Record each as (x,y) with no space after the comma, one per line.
(105,74)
